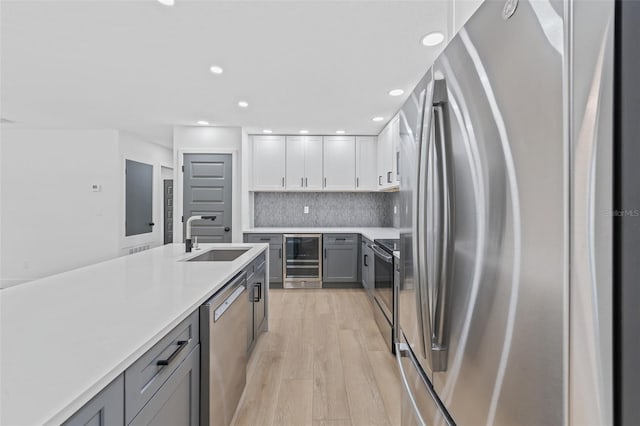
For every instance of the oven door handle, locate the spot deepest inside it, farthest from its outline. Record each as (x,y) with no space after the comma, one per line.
(387,258)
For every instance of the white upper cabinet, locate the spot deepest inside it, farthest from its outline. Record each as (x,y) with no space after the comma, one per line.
(366,163)
(313,162)
(339,163)
(304,163)
(395,145)
(268,163)
(295,163)
(388,143)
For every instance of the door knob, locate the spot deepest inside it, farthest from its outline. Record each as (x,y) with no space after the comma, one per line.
(151,223)
(227,229)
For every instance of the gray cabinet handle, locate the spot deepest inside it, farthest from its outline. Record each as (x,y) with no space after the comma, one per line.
(283,182)
(325,253)
(357,182)
(389,177)
(301,182)
(380,180)
(306,182)
(325,182)
(280,253)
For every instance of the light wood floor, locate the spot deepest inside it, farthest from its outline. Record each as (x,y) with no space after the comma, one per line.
(323,363)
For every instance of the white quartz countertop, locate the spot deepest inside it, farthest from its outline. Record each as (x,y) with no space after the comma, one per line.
(64,338)
(370,233)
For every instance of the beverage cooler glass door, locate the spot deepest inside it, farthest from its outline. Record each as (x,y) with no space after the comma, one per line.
(303,258)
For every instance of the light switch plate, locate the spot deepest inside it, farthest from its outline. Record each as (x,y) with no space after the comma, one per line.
(96,188)
(306,209)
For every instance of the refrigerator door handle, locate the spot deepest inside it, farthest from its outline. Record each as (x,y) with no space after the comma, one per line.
(443,236)
(402,351)
(420,212)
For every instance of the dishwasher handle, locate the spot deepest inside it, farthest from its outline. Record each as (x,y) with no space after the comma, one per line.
(220,310)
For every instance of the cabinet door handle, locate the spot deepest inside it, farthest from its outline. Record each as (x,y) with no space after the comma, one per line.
(325,253)
(283,182)
(301,182)
(181,345)
(380,180)
(259,291)
(366,257)
(389,177)
(306,182)
(256,286)
(325,182)
(357,182)
(280,253)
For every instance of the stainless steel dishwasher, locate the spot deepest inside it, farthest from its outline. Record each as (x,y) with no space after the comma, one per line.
(224,325)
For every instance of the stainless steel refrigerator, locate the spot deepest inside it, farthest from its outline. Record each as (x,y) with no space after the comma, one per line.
(505,165)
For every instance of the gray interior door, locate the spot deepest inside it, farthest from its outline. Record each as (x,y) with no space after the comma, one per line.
(168,211)
(139,198)
(207,191)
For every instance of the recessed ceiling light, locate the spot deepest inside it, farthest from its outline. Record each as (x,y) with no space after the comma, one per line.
(396,92)
(166,2)
(378,118)
(433,39)
(267,131)
(215,69)
(340,132)
(243,104)
(304,132)
(203,123)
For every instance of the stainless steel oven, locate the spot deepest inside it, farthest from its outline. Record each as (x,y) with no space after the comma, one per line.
(383,289)
(302,261)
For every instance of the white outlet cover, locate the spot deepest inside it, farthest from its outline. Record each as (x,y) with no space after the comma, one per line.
(395,209)
(306,209)
(96,187)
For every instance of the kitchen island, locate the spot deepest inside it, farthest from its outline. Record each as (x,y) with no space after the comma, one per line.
(66,337)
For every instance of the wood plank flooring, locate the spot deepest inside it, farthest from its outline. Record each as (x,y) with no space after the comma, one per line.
(323,363)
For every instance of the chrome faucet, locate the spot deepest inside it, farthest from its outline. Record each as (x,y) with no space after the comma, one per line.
(187,242)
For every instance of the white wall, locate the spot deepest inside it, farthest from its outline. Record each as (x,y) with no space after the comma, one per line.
(222,140)
(51,220)
(133,148)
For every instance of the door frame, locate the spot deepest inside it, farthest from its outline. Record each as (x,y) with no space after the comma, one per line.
(236,234)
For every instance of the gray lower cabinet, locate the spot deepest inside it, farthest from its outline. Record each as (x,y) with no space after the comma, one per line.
(105,409)
(275,255)
(368,275)
(149,373)
(177,402)
(341,258)
(257,314)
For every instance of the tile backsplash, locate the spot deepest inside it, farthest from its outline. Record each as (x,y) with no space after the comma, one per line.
(281,209)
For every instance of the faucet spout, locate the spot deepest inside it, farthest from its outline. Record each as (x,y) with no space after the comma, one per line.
(187,241)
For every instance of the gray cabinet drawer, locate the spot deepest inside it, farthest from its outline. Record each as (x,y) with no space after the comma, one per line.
(152,369)
(105,409)
(178,400)
(340,239)
(264,238)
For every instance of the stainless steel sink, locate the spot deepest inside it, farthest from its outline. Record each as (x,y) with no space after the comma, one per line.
(219,255)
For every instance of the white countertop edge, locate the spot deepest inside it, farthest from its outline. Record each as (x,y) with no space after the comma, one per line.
(87,394)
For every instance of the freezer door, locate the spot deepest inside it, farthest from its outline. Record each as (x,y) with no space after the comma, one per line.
(498,303)
(418,402)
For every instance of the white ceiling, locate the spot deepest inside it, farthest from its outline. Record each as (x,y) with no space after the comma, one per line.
(143,67)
